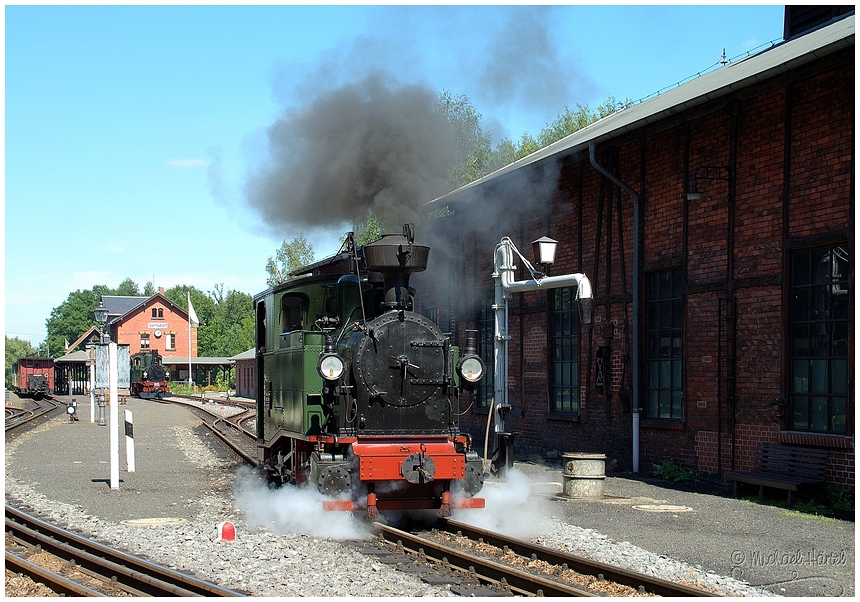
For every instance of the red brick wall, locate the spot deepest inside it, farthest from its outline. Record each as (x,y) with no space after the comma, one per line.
(130,329)
(794,136)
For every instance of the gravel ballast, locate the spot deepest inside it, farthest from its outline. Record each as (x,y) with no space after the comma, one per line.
(285,545)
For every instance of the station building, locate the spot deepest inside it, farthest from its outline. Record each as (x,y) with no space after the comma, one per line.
(152,322)
(716,224)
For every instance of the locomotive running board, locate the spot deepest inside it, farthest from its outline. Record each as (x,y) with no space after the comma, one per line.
(402,504)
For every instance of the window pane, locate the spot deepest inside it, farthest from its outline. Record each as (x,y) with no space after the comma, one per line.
(819,333)
(800,411)
(838,415)
(819,413)
(800,373)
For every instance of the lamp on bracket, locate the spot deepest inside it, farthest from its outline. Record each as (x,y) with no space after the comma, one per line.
(708,172)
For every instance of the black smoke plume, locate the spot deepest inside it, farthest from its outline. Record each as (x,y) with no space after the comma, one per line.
(367,147)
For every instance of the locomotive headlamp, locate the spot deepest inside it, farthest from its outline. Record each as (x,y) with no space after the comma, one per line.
(471,367)
(330,366)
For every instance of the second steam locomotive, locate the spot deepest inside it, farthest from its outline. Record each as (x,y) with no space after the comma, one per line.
(357,394)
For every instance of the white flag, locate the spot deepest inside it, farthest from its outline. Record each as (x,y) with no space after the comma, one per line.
(192,315)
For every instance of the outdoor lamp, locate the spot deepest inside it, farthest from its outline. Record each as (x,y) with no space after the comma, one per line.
(101,314)
(693,194)
(544,250)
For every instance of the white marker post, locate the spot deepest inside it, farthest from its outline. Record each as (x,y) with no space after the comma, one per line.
(129,440)
(92,385)
(114,416)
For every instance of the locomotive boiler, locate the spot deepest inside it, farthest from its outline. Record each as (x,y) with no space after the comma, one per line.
(357,394)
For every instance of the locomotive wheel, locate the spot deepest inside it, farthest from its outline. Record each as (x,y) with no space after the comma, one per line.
(334,480)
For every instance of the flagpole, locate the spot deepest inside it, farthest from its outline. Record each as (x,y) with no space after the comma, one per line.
(189,338)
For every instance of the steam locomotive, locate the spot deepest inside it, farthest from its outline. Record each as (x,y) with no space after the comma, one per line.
(357,394)
(148,377)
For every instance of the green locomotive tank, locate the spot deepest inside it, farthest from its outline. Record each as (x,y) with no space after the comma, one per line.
(357,394)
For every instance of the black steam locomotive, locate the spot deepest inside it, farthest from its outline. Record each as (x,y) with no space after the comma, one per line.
(149,379)
(358,395)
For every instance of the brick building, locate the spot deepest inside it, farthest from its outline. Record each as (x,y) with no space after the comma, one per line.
(152,322)
(716,224)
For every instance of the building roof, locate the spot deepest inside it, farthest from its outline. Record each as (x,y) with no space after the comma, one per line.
(92,332)
(119,307)
(728,79)
(245,355)
(73,357)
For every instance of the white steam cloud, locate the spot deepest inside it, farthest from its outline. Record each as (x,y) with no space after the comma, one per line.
(290,510)
(510,509)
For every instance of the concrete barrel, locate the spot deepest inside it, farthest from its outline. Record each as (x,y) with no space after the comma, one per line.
(583,474)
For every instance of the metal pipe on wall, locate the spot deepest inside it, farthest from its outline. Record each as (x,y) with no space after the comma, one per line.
(637,263)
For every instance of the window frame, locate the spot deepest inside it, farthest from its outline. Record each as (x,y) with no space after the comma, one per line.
(664,372)
(816,319)
(565,368)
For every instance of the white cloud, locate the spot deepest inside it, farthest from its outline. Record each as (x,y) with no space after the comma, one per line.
(186,163)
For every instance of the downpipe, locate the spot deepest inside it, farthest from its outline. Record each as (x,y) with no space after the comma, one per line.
(637,260)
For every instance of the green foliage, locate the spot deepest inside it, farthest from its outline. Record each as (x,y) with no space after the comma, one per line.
(473,143)
(368,231)
(672,472)
(230,328)
(73,317)
(15,349)
(475,155)
(827,503)
(289,257)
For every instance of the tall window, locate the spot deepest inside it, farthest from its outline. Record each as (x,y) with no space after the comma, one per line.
(170,342)
(565,351)
(486,347)
(819,340)
(664,332)
(144,341)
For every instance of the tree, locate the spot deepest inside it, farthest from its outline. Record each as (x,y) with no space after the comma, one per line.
(127,288)
(473,143)
(289,257)
(15,349)
(368,231)
(73,317)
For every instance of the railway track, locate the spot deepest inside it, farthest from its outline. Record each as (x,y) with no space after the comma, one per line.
(96,569)
(19,417)
(475,562)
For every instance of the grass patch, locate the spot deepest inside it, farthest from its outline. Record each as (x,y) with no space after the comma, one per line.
(672,472)
(830,503)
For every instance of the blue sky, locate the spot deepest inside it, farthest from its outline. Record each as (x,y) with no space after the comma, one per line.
(132,131)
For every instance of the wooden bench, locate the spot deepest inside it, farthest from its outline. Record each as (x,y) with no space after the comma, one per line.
(783,467)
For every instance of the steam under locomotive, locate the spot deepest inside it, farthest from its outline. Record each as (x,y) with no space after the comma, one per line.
(149,379)
(358,395)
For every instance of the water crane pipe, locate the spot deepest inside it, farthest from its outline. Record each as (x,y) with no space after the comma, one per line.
(503,275)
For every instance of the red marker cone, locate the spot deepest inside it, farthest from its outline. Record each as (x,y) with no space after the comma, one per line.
(226,531)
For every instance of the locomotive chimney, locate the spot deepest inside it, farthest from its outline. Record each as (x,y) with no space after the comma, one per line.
(396,256)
